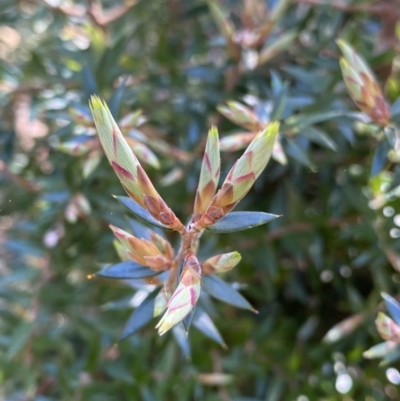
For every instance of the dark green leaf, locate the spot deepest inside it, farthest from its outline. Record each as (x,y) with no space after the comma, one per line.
(127,270)
(237,221)
(221,290)
(140,212)
(141,315)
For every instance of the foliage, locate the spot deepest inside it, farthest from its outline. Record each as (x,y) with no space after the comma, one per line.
(169,71)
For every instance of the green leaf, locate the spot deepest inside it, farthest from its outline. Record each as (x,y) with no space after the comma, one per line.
(20,337)
(237,221)
(319,137)
(141,315)
(393,307)
(203,322)
(293,150)
(140,212)
(181,338)
(297,123)
(128,270)
(221,290)
(380,157)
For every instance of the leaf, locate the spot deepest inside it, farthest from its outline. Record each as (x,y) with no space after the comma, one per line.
(298,122)
(128,270)
(188,320)
(237,221)
(292,149)
(89,82)
(141,315)
(116,98)
(203,322)
(140,212)
(180,335)
(221,290)
(393,307)
(380,157)
(19,337)
(319,137)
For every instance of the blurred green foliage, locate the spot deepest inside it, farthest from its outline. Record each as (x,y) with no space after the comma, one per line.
(315,274)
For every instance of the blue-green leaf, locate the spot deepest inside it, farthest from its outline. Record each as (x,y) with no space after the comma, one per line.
(140,316)
(319,137)
(203,322)
(221,290)
(128,270)
(237,221)
(380,157)
(393,307)
(140,212)
(181,338)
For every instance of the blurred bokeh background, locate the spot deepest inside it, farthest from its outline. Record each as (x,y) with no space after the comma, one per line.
(322,265)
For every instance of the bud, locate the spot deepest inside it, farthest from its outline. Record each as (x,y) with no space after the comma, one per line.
(387,328)
(242,175)
(221,263)
(142,251)
(185,296)
(77,147)
(143,153)
(127,167)
(380,350)
(77,207)
(241,115)
(362,86)
(162,244)
(160,302)
(121,250)
(81,116)
(209,175)
(132,120)
(231,143)
(91,162)
(278,153)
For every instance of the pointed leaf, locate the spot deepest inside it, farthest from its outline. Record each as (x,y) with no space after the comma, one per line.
(140,212)
(116,98)
(181,338)
(292,149)
(188,320)
(319,137)
(393,307)
(298,122)
(380,157)
(237,221)
(203,322)
(141,315)
(128,270)
(221,290)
